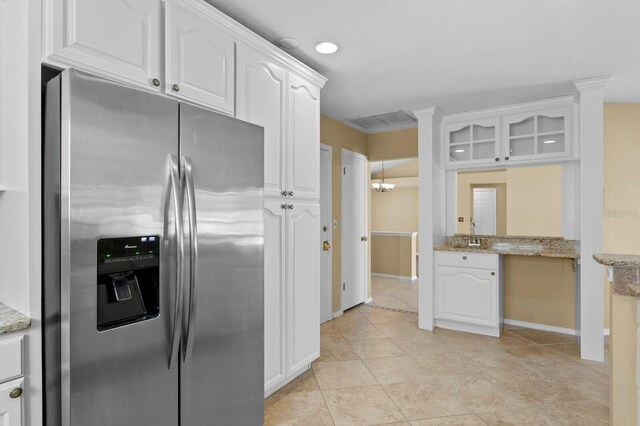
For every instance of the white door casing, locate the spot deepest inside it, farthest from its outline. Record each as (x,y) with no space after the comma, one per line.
(325,233)
(484,210)
(260,99)
(199,60)
(354,238)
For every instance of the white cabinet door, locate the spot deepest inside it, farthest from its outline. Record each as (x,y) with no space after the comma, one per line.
(117,38)
(472,142)
(537,135)
(199,60)
(303,139)
(467,295)
(274,295)
(303,282)
(260,99)
(11,407)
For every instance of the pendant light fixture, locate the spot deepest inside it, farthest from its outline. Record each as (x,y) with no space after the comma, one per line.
(382,186)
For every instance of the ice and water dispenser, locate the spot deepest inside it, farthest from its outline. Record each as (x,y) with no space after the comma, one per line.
(128,280)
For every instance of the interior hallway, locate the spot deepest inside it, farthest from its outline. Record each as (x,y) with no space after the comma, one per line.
(377,367)
(394,293)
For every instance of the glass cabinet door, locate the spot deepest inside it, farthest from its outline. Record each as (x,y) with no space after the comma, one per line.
(472,142)
(543,133)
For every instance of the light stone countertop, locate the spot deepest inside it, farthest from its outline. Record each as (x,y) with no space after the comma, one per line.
(626,272)
(516,251)
(12,320)
(618,260)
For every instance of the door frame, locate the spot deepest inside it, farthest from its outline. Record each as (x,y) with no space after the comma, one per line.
(495,206)
(367,270)
(326,291)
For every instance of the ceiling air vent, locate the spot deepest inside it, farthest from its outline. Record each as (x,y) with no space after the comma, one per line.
(385,121)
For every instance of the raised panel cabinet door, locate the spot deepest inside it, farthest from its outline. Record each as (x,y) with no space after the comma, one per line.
(260,99)
(303,282)
(116,38)
(11,406)
(303,145)
(274,295)
(199,60)
(467,295)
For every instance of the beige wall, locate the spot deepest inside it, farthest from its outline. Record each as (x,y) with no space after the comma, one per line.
(395,211)
(393,255)
(339,136)
(540,290)
(622,235)
(393,145)
(534,201)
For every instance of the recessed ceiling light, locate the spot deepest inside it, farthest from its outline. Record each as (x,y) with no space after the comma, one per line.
(459,150)
(550,141)
(289,43)
(326,47)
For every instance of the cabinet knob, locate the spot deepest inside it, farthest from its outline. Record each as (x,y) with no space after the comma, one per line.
(464,257)
(15,393)
(497,158)
(283,193)
(283,206)
(493,274)
(290,193)
(506,158)
(175,88)
(156,82)
(290,206)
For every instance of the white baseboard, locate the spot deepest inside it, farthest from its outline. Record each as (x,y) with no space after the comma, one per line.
(336,314)
(398,277)
(545,327)
(368,300)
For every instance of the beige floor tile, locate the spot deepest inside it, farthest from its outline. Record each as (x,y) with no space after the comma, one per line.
(367,405)
(385,316)
(543,337)
(401,329)
(362,331)
(426,399)
(336,350)
(306,382)
(419,344)
(375,348)
(443,362)
(299,408)
(398,369)
(464,420)
(329,332)
(342,374)
(389,301)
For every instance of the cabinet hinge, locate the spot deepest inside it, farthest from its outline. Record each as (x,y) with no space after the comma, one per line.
(344,170)
(343,286)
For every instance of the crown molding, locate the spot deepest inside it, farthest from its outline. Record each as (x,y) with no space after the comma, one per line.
(432,112)
(595,83)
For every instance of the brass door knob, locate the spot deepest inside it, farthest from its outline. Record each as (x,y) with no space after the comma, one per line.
(326,246)
(15,393)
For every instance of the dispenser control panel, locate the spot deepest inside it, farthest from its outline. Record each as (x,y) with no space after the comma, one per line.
(127,280)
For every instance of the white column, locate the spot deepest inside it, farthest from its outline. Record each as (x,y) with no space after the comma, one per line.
(431,207)
(589,94)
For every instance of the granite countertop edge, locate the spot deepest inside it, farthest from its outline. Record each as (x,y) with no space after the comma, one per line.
(12,320)
(547,252)
(618,260)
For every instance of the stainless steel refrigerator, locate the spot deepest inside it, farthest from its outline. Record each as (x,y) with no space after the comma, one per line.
(153,260)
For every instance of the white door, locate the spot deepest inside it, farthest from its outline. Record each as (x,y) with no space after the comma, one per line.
(484,210)
(113,38)
(354,228)
(200,60)
(260,99)
(303,285)
(11,407)
(303,139)
(325,234)
(274,294)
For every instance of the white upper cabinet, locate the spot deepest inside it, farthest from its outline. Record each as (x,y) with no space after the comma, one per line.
(303,139)
(541,134)
(473,142)
(199,60)
(112,38)
(261,92)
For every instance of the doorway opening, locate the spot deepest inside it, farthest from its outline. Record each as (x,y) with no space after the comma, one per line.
(394,234)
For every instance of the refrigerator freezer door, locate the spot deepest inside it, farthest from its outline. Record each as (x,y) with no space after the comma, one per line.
(222,377)
(115,171)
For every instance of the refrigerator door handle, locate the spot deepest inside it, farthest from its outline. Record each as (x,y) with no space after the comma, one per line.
(193,259)
(173,194)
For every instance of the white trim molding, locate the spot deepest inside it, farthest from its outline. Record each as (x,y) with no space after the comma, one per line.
(397,277)
(393,234)
(431,209)
(546,327)
(589,95)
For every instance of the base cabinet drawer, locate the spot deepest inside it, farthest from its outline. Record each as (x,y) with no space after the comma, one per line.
(11,358)
(11,405)
(467,260)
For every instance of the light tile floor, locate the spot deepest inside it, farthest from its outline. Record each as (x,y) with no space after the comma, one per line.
(394,293)
(377,367)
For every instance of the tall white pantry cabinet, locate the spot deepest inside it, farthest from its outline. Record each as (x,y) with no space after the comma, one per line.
(189,50)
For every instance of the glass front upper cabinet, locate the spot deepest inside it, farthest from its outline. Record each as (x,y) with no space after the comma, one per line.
(473,142)
(539,134)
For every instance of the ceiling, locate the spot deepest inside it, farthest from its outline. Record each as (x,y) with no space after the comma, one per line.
(457,54)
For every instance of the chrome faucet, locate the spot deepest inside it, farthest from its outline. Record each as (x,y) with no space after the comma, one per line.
(474,241)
